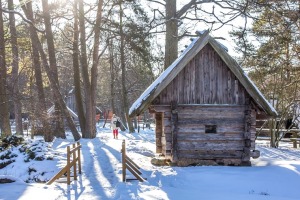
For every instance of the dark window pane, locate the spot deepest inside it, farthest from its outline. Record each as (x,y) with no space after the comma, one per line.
(210,128)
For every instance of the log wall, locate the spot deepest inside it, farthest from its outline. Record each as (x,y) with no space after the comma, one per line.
(193,145)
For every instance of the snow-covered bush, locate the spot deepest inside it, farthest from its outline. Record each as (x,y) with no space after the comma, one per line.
(28,154)
(12,140)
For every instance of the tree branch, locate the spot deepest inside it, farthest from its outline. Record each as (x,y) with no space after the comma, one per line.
(24,19)
(154,1)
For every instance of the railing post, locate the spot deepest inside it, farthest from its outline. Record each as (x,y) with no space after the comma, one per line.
(79,162)
(74,161)
(68,165)
(123,161)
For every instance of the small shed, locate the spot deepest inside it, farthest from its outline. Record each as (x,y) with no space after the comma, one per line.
(205,108)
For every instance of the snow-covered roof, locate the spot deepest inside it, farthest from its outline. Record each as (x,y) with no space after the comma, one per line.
(170,73)
(51,110)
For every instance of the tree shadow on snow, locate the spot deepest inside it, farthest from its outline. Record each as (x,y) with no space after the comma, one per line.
(100,173)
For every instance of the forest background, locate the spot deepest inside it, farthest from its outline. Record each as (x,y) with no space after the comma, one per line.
(108,51)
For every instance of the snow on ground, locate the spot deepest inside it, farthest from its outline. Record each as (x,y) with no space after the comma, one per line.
(273,176)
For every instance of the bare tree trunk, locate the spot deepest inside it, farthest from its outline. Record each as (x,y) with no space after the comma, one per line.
(78,96)
(112,78)
(4,113)
(41,110)
(90,86)
(94,70)
(273,131)
(171,46)
(123,69)
(52,80)
(15,70)
(59,124)
(85,75)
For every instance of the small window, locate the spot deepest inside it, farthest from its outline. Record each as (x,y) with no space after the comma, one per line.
(210,128)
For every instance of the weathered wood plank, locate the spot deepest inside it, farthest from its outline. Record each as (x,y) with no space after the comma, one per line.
(224,82)
(206,154)
(175,90)
(168,137)
(167,122)
(220,161)
(192,82)
(167,130)
(174,130)
(236,92)
(167,114)
(181,86)
(220,90)
(200,128)
(209,137)
(209,121)
(168,146)
(197,80)
(221,128)
(206,78)
(209,107)
(161,108)
(187,88)
(248,143)
(211,145)
(158,132)
(201,77)
(241,93)
(213,115)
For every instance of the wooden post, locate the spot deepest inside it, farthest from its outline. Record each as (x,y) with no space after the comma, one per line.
(138,124)
(174,122)
(247,134)
(106,114)
(127,163)
(79,161)
(294,139)
(68,166)
(123,161)
(74,161)
(158,132)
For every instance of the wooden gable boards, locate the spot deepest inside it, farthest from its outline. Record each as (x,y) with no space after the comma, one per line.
(172,71)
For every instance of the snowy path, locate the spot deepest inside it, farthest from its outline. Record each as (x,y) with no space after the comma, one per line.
(273,176)
(101,158)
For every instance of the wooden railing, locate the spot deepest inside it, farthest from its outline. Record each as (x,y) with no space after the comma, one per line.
(127,163)
(73,158)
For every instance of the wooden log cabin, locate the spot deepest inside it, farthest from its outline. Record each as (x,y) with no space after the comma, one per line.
(205,108)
